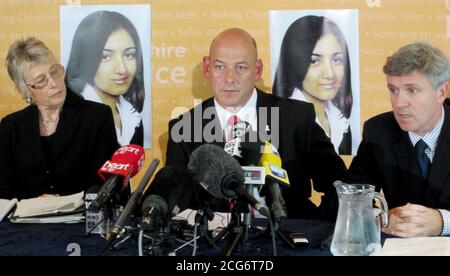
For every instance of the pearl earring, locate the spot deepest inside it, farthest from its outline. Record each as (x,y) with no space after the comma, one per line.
(28,99)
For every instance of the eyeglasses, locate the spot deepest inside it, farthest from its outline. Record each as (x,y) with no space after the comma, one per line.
(55,72)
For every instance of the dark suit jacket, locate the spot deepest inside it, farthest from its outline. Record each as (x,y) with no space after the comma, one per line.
(386,159)
(138,137)
(84,140)
(345,148)
(306,152)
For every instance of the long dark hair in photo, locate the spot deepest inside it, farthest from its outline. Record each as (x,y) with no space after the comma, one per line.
(87,48)
(295,57)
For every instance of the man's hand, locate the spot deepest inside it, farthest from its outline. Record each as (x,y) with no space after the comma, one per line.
(413,220)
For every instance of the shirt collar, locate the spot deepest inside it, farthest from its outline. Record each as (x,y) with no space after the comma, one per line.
(432,136)
(130,118)
(339,124)
(246,113)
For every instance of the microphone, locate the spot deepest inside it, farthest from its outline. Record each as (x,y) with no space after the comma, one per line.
(275,176)
(271,161)
(241,128)
(170,193)
(221,175)
(238,131)
(93,218)
(125,163)
(154,209)
(245,146)
(135,198)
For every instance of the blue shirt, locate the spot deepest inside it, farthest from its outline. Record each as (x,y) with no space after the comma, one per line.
(430,139)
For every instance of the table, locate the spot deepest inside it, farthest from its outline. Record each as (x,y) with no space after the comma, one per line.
(67,239)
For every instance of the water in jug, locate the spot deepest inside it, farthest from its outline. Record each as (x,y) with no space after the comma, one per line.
(358,227)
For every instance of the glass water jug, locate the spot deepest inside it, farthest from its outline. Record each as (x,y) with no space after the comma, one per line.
(358,227)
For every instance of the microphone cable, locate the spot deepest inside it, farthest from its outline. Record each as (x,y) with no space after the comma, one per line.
(140,235)
(194,250)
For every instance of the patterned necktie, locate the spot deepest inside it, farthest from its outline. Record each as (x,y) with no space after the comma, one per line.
(230,123)
(422,159)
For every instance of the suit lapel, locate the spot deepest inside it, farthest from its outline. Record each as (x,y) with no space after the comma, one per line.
(407,162)
(31,133)
(68,124)
(440,167)
(211,119)
(264,104)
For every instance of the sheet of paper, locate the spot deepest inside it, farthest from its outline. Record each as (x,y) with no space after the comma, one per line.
(73,218)
(48,205)
(422,246)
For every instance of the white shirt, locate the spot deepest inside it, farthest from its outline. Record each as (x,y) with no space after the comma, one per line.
(338,122)
(246,113)
(129,116)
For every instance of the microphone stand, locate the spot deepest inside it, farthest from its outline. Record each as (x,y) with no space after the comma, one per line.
(248,216)
(173,232)
(131,231)
(235,230)
(277,213)
(282,234)
(124,235)
(160,237)
(117,237)
(205,214)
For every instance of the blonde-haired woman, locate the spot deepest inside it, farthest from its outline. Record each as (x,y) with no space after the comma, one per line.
(57,143)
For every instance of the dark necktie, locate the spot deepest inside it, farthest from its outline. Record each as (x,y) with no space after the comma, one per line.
(422,159)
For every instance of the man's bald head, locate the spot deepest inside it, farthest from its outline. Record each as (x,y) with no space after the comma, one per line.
(233,68)
(235,35)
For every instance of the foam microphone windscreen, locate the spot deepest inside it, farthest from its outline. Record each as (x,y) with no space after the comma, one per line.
(210,166)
